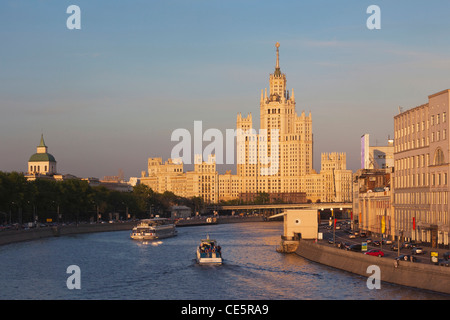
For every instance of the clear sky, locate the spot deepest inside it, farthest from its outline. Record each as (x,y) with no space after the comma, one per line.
(108,96)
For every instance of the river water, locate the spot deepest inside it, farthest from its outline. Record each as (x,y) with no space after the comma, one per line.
(112,266)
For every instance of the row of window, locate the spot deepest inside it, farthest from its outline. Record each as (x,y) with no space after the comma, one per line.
(421,180)
(420,125)
(37,168)
(404,217)
(420,161)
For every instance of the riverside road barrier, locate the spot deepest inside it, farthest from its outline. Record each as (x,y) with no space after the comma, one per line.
(412,274)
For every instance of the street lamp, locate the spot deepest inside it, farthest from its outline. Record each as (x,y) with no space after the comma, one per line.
(334,226)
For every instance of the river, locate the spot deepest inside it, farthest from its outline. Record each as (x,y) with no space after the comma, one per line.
(112,266)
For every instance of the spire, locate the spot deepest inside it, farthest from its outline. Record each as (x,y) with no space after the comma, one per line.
(42,143)
(278,55)
(277,66)
(41,148)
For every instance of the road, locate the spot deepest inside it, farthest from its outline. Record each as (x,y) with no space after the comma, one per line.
(342,236)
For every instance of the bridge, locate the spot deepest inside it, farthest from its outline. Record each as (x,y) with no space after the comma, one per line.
(324,208)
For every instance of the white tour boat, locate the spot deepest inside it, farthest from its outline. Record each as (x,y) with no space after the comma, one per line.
(152,229)
(208,252)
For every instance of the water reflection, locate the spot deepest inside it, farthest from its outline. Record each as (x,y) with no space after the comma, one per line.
(148,242)
(113,266)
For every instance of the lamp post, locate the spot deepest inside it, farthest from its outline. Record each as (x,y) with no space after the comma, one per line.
(334,226)
(398,242)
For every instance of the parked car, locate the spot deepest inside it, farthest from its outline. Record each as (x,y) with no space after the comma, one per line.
(355,247)
(417,250)
(444,262)
(447,255)
(407,257)
(408,245)
(375,252)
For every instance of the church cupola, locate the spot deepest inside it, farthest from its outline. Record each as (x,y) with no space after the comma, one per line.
(42,162)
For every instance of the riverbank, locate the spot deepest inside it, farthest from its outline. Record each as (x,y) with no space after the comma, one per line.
(12,236)
(417,275)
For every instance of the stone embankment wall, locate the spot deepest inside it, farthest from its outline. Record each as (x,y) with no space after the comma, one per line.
(417,275)
(11,236)
(238,219)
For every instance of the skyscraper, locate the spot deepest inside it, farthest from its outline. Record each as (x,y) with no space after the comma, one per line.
(275,159)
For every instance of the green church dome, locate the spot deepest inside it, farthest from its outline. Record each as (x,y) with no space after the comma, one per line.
(38,157)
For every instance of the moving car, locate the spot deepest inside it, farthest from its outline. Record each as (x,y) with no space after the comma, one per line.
(355,247)
(394,247)
(417,250)
(407,257)
(375,252)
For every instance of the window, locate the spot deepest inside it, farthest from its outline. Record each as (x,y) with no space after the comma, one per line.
(438,157)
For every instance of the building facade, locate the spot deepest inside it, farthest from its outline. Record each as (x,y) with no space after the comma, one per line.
(421,155)
(275,159)
(41,164)
(372,201)
(376,157)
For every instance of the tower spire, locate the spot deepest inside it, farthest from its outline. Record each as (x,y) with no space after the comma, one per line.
(278,55)
(277,66)
(42,143)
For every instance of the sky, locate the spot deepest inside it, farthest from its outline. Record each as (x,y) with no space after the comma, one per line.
(108,96)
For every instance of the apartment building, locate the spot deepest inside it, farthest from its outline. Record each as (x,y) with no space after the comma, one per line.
(421,157)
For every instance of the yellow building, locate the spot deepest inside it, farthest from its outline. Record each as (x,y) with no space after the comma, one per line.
(276,159)
(203,181)
(333,183)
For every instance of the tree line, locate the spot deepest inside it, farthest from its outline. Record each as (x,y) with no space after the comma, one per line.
(73,200)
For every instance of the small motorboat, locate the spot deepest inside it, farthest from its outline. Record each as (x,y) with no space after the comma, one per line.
(208,252)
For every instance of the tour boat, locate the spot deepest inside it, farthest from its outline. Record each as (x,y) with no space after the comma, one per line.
(208,252)
(152,229)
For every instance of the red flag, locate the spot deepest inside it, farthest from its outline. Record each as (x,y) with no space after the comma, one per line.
(414,223)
